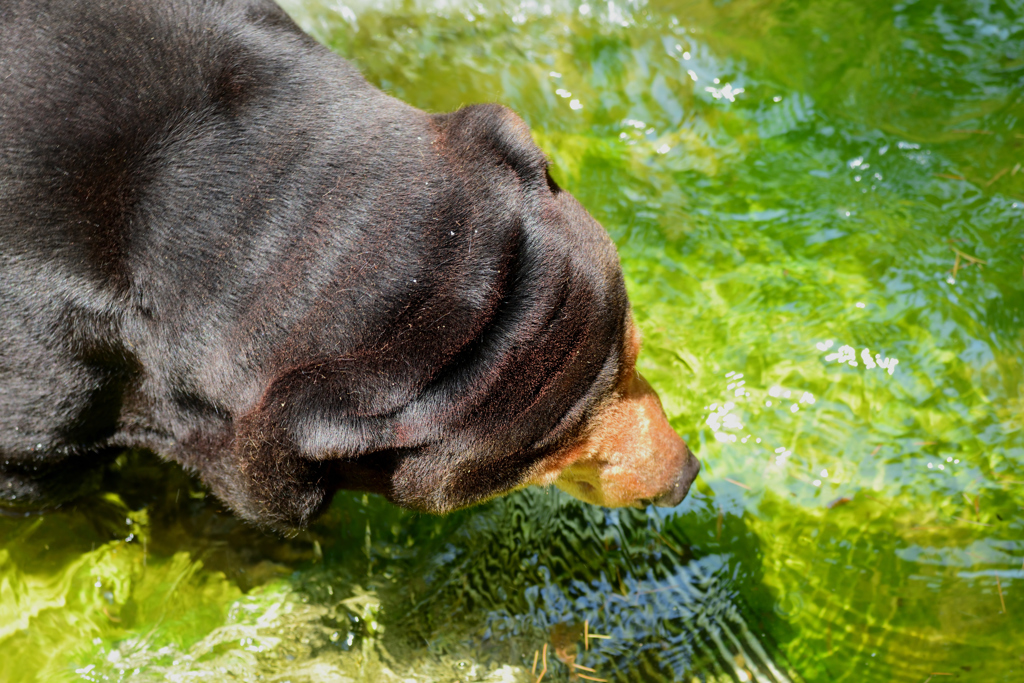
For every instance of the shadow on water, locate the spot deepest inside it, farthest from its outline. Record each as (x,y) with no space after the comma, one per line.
(539,568)
(151,579)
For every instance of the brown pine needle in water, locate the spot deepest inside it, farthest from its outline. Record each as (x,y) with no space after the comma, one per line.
(999,587)
(733,481)
(973,502)
(584,668)
(536,656)
(544,664)
(971,261)
(592,678)
(997,176)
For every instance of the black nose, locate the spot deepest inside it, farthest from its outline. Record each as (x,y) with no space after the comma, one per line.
(674,496)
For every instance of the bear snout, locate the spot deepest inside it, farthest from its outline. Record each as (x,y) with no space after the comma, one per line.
(630,457)
(681,486)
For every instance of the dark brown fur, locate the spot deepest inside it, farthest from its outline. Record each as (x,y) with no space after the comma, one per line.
(219,242)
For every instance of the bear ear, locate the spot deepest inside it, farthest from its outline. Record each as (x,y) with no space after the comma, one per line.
(495,129)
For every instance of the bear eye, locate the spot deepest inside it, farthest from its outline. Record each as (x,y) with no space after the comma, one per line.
(552,185)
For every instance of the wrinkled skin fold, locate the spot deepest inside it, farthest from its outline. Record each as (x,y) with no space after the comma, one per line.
(220,243)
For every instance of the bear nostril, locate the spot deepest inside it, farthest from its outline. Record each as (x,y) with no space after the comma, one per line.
(681,487)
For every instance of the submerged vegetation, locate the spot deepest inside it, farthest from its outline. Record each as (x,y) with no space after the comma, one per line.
(819,211)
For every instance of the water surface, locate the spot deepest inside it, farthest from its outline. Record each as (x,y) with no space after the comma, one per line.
(819,211)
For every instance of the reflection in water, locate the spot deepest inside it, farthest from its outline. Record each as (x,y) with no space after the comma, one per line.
(625,575)
(381,594)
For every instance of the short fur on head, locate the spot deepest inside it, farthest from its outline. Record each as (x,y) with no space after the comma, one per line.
(219,242)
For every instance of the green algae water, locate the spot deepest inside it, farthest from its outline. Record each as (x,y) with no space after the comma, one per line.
(820,212)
